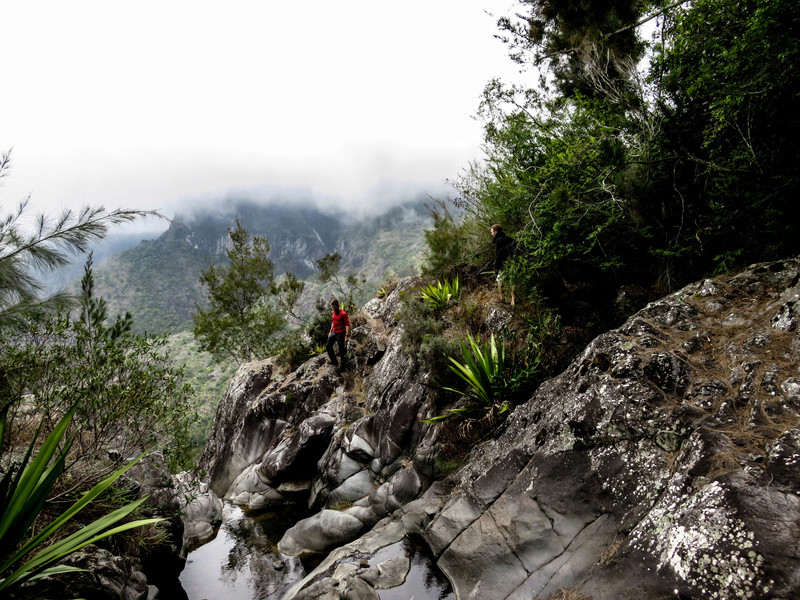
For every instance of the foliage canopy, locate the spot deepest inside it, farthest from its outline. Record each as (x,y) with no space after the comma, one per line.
(610,171)
(241,322)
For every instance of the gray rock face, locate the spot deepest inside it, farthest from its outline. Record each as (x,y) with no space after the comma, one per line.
(240,435)
(341,437)
(270,431)
(662,463)
(324,530)
(201,509)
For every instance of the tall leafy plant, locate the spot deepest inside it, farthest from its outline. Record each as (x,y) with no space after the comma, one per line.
(47,245)
(127,393)
(330,271)
(439,295)
(26,556)
(482,370)
(241,322)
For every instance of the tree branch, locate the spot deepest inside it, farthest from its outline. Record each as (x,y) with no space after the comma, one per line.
(638,23)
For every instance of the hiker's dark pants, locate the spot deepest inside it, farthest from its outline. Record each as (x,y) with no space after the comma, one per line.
(336,338)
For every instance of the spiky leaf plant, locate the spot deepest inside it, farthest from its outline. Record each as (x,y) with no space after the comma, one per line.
(23,493)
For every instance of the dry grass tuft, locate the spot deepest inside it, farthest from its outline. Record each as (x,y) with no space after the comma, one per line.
(564,594)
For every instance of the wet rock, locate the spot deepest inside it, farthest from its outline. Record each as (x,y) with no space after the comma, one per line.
(668,372)
(353,488)
(239,437)
(786,317)
(497,318)
(250,489)
(405,486)
(364,514)
(320,532)
(325,589)
(356,588)
(388,574)
(663,462)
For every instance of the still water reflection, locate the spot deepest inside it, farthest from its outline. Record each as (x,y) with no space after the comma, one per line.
(242,562)
(424,581)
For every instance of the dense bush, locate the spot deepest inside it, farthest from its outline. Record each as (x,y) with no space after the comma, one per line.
(608,175)
(127,394)
(422,335)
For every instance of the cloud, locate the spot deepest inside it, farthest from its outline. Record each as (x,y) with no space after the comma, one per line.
(154,104)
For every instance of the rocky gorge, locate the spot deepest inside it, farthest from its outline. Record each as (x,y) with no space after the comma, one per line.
(662,463)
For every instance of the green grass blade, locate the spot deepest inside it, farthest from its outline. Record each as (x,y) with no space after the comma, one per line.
(33,473)
(57,570)
(20,523)
(76,541)
(3,423)
(76,507)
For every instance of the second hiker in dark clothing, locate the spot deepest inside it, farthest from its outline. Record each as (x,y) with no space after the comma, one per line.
(505,247)
(339,334)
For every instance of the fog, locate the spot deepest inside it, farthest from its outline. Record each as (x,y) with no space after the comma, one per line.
(154,105)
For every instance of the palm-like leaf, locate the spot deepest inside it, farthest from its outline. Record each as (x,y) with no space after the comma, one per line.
(47,245)
(440,294)
(482,370)
(23,497)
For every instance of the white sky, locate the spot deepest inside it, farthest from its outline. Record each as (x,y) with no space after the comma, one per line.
(151,103)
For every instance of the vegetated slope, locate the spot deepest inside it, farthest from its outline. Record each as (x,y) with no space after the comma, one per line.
(207,376)
(114,243)
(663,462)
(158,280)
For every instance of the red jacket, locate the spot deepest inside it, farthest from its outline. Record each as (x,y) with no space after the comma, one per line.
(340,322)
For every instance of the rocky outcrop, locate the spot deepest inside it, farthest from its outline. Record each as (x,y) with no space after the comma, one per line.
(201,509)
(353,441)
(662,463)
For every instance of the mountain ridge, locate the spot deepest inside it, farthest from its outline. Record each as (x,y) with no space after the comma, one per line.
(158,280)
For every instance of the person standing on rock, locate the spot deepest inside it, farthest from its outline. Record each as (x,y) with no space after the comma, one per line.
(339,334)
(505,247)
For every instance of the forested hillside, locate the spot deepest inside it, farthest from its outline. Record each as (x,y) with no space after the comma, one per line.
(542,428)
(158,281)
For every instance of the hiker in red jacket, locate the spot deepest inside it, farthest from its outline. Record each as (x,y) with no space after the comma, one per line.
(339,333)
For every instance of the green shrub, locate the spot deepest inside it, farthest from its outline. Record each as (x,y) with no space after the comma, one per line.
(423,336)
(319,325)
(452,245)
(418,321)
(439,295)
(493,377)
(296,349)
(433,354)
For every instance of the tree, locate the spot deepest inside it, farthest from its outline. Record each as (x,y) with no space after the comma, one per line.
(624,172)
(329,270)
(288,289)
(49,244)
(41,348)
(126,393)
(241,322)
(729,90)
(565,35)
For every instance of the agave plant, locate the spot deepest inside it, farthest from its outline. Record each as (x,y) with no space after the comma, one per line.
(482,369)
(23,492)
(440,294)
